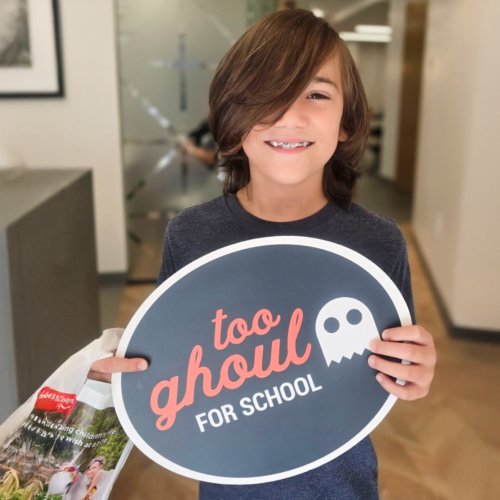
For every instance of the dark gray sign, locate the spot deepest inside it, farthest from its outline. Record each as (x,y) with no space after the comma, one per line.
(258,360)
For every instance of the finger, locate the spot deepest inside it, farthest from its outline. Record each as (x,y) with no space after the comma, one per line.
(117,364)
(407,392)
(412,333)
(408,351)
(102,377)
(407,372)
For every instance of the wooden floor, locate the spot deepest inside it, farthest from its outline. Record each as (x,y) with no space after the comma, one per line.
(446,446)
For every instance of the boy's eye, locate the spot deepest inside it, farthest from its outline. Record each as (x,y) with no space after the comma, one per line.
(317,95)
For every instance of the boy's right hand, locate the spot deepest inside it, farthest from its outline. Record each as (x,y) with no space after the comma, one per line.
(103,368)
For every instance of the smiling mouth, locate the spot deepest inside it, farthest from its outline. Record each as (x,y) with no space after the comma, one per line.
(289,145)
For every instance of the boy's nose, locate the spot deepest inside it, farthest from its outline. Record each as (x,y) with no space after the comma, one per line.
(294,117)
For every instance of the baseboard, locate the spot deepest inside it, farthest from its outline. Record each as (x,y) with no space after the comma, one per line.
(141,281)
(455,331)
(475,334)
(121,279)
(112,279)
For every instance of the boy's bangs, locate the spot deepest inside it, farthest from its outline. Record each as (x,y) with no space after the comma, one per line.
(286,65)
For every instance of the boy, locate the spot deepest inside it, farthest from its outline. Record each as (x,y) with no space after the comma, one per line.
(288,111)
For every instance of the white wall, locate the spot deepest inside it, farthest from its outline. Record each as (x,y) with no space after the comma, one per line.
(392,90)
(370,59)
(83,128)
(457,207)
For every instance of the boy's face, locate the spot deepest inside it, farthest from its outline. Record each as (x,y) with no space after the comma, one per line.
(295,149)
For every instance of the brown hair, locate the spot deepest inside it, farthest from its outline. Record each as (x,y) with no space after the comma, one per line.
(263,73)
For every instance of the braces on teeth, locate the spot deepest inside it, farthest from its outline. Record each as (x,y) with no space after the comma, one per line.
(289,145)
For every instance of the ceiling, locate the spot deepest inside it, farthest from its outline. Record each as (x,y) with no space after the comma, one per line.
(345,14)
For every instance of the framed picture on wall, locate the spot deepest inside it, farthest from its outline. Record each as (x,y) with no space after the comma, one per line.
(30,49)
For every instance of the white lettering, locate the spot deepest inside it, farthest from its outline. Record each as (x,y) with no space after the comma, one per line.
(216,417)
(259,407)
(246,405)
(277,395)
(291,392)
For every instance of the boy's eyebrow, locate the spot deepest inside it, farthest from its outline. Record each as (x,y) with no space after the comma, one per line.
(324,79)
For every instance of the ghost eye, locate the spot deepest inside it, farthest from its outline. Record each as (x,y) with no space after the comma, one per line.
(331,325)
(354,317)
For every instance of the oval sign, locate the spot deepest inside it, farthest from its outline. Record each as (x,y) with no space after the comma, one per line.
(258,360)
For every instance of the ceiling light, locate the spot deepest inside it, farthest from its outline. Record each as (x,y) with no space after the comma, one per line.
(318,12)
(373,29)
(351,36)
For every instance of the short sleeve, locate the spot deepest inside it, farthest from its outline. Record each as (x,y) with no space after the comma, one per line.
(401,275)
(167,264)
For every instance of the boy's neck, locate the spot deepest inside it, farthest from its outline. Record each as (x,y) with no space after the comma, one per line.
(280,206)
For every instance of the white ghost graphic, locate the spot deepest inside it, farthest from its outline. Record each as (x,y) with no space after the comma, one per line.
(344,326)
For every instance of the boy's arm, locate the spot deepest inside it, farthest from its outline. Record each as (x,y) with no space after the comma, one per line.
(413,344)
(103,368)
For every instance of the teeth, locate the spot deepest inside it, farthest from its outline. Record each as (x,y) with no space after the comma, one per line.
(289,145)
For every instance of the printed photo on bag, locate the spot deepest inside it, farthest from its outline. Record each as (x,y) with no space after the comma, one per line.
(70,447)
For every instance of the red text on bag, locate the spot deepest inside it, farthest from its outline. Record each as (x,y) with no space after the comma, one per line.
(49,399)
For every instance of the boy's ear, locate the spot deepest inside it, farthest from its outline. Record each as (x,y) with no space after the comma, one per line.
(343,135)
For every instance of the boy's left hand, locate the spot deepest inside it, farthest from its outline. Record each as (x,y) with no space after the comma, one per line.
(410,343)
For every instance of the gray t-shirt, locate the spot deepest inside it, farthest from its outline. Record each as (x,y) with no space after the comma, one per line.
(223,221)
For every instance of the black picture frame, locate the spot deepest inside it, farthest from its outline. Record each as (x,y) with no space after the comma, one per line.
(43,79)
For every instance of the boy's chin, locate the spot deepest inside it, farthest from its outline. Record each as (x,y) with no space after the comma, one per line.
(296,181)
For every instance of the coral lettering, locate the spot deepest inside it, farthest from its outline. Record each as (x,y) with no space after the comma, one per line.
(240,325)
(235,370)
